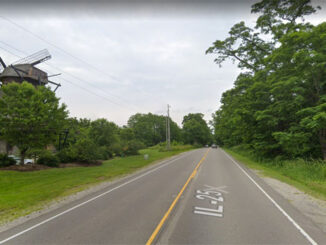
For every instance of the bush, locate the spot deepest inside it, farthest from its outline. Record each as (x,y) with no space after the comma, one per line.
(197,145)
(176,143)
(116,148)
(48,159)
(86,151)
(6,161)
(133,147)
(175,147)
(104,153)
(67,155)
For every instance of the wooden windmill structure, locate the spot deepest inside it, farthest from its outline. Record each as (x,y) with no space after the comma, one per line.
(25,70)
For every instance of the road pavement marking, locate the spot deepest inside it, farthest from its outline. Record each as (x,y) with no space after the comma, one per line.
(214,197)
(208,213)
(219,210)
(166,215)
(168,162)
(219,189)
(302,231)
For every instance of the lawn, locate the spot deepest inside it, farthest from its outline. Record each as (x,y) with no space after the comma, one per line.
(308,176)
(24,192)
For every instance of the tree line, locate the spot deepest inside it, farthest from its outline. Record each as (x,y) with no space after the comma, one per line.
(32,119)
(277,106)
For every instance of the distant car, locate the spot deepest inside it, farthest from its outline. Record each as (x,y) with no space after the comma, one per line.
(206,146)
(214,146)
(28,161)
(17,159)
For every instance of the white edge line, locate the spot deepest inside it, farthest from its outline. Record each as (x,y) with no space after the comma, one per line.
(168,162)
(302,231)
(208,213)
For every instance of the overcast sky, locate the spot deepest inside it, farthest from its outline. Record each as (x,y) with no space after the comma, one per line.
(117,60)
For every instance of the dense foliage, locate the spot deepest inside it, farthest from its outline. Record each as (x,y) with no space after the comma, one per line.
(33,120)
(195,129)
(6,161)
(48,159)
(278,104)
(88,141)
(151,129)
(30,117)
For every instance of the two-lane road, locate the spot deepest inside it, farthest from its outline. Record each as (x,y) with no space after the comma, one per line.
(198,197)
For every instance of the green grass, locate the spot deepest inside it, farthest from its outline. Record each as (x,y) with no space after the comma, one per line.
(308,176)
(24,192)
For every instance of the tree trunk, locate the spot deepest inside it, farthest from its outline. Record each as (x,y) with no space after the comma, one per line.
(22,156)
(8,148)
(322,140)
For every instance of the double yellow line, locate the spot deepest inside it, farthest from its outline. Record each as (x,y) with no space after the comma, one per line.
(166,215)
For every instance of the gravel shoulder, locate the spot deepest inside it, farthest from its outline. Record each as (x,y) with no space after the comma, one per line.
(310,206)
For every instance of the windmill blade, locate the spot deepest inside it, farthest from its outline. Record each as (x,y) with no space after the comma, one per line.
(35,58)
(2,65)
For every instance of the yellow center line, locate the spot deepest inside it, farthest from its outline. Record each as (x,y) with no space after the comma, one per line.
(166,215)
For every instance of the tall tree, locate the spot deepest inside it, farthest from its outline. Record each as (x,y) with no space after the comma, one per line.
(243,45)
(30,117)
(151,129)
(195,129)
(103,132)
(277,103)
(279,17)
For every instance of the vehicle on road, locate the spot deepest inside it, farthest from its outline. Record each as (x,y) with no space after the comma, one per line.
(26,160)
(214,146)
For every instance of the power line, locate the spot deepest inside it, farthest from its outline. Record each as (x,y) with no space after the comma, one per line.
(81,87)
(12,48)
(59,48)
(61,70)
(62,50)
(82,80)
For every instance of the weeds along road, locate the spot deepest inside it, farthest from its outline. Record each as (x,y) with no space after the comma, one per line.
(198,197)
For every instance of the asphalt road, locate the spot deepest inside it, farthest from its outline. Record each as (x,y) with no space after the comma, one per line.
(198,197)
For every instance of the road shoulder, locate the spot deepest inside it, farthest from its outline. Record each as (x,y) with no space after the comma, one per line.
(310,206)
(91,190)
(243,212)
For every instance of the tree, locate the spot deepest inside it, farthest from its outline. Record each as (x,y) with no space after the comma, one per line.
(243,45)
(195,129)
(151,129)
(103,132)
(277,105)
(30,117)
(279,17)
(250,47)
(126,134)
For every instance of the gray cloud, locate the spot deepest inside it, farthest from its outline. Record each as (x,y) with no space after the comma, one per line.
(138,63)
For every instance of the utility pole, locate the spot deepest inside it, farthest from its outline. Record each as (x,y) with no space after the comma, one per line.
(168,135)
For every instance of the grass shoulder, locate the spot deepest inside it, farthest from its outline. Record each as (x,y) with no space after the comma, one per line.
(22,193)
(307,176)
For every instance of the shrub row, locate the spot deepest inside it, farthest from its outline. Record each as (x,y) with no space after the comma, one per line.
(48,159)
(86,151)
(6,161)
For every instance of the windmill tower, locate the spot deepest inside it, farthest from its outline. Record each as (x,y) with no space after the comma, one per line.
(25,70)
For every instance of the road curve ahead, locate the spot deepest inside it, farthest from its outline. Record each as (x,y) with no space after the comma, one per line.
(198,197)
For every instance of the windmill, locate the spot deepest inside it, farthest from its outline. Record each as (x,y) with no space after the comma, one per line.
(25,70)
